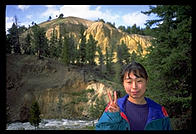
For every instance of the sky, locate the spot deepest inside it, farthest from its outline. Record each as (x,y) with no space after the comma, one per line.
(121,15)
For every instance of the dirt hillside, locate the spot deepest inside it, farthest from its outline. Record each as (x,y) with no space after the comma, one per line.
(61,91)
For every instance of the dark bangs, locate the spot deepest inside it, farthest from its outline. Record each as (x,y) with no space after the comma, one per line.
(137,69)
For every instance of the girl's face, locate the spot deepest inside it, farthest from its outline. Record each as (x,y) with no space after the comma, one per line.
(134,86)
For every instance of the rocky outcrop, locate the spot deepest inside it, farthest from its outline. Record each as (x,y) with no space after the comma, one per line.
(60,91)
(105,34)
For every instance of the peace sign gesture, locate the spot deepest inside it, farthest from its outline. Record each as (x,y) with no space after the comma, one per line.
(113,107)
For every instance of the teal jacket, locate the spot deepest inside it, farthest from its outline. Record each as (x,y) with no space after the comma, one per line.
(157,117)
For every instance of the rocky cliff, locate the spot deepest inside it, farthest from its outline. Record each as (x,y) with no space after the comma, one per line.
(105,34)
(62,92)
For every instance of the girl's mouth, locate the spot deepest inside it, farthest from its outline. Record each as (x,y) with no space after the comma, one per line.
(135,92)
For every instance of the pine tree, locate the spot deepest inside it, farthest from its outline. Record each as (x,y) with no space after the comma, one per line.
(169,61)
(108,60)
(8,44)
(100,58)
(170,53)
(13,38)
(139,49)
(122,58)
(61,16)
(27,44)
(72,49)
(82,46)
(69,51)
(119,54)
(133,56)
(126,54)
(123,53)
(53,44)
(39,40)
(65,53)
(17,43)
(59,47)
(35,115)
(49,18)
(117,70)
(122,28)
(90,50)
(129,30)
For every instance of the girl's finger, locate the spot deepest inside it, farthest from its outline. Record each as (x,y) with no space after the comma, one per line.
(115,97)
(110,98)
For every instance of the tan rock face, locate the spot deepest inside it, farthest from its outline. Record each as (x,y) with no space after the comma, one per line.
(105,34)
(60,94)
(102,32)
(100,89)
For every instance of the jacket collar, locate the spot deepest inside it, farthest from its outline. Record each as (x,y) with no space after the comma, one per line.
(121,102)
(154,108)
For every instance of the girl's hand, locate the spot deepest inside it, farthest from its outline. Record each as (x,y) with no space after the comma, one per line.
(113,107)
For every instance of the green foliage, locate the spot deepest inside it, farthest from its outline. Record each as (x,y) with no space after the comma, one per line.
(123,55)
(69,51)
(148,31)
(39,41)
(134,30)
(13,39)
(53,44)
(100,20)
(72,50)
(117,69)
(8,44)
(82,92)
(112,25)
(169,61)
(65,51)
(13,44)
(169,57)
(82,46)
(35,114)
(122,28)
(100,58)
(133,56)
(109,56)
(59,47)
(59,104)
(97,110)
(90,50)
(81,96)
(139,49)
(27,44)
(61,16)
(122,58)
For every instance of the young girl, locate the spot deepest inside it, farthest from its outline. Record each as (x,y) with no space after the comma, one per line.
(134,111)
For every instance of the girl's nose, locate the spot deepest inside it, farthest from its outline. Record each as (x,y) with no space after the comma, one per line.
(134,84)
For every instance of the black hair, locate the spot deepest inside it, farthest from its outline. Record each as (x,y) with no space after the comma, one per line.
(137,69)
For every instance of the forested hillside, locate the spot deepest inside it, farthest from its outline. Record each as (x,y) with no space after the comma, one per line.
(168,59)
(169,63)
